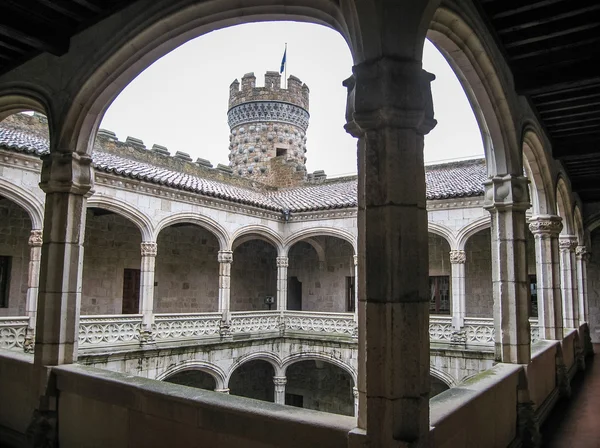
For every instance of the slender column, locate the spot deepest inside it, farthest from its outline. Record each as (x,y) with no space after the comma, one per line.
(545,230)
(389,110)
(282,268)
(148,263)
(355,258)
(568,264)
(507,200)
(225,258)
(355,394)
(458,258)
(280,382)
(582,258)
(33,280)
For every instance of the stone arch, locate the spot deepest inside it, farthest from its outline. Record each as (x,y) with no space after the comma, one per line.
(15,99)
(131,49)
(206,367)
(485,88)
(444,232)
(194,218)
(319,231)
(471,229)
(579,229)
(539,173)
(444,377)
(271,358)
(259,232)
(140,219)
(24,199)
(564,205)
(297,357)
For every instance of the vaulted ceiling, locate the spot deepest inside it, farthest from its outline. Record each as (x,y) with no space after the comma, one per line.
(552,47)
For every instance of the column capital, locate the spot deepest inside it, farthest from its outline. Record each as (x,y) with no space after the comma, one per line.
(67,172)
(389,93)
(279,380)
(567,243)
(582,253)
(508,192)
(225,256)
(149,249)
(35,238)
(458,257)
(282,262)
(355,259)
(550,225)
(355,392)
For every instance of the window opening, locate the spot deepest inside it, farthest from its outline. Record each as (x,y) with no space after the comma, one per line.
(439,301)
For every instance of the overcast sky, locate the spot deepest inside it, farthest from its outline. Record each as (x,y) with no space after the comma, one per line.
(181,100)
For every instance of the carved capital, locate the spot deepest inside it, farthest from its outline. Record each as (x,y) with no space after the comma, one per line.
(282,262)
(68,172)
(35,238)
(507,193)
(225,256)
(355,392)
(567,243)
(546,225)
(355,258)
(458,257)
(149,249)
(582,253)
(389,93)
(279,380)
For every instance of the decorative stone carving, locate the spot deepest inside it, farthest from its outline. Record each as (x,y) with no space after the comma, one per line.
(320,323)
(567,244)
(282,262)
(546,225)
(109,331)
(13,333)
(149,249)
(267,111)
(458,257)
(507,192)
(355,258)
(146,336)
(224,329)
(279,381)
(459,337)
(225,256)
(582,253)
(35,238)
(249,322)
(66,172)
(29,341)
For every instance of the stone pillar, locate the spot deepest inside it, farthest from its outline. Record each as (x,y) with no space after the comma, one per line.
(546,230)
(582,256)
(458,258)
(355,258)
(568,265)
(280,382)
(355,394)
(225,258)
(149,251)
(507,200)
(33,280)
(282,268)
(390,110)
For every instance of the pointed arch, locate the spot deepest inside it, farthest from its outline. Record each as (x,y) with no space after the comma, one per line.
(444,377)
(471,229)
(26,200)
(17,98)
(539,173)
(564,205)
(578,225)
(444,232)
(143,222)
(195,218)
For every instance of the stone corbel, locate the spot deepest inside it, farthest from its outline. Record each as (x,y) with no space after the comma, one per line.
(67,172)
(507,192)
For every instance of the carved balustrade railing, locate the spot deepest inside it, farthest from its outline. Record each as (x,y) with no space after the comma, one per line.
(440,328)
(309,322)
(258,322)
(479,331)
(109,330)
(535,329)
(186,326)
(12,332)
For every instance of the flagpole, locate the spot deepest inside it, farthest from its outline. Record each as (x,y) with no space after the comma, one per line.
(285,67)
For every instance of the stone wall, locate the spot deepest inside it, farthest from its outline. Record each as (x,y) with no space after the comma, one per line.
(253,379)
(187,270)
(253,276)
(478,275)
(15,228)
(593,287)
(112,244)
(323,283)
(323,386)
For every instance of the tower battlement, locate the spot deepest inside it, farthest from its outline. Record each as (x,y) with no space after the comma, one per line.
(296,93)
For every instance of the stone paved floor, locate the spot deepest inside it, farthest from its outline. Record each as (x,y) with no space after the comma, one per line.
(575,423)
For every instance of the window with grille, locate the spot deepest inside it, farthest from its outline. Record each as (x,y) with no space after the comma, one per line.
(439,298)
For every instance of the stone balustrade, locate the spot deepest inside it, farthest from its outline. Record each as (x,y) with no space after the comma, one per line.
(186,326)
(12,332)
(109,330)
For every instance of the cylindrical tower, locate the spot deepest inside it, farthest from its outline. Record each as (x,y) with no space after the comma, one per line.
(268,129)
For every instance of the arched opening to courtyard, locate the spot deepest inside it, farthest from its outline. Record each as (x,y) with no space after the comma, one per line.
(253,379)
(197,378)
(440,275)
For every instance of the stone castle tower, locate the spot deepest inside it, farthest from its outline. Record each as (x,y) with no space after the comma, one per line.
(268,129)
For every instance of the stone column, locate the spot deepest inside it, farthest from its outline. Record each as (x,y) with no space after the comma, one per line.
(355,394)
(507,200)
(280,382)
(33,280)
(225,258)
(282,268)
(582,258)
(149,251)
(458,258)
(389,110)
(546,230)
(355,258)
(568,264)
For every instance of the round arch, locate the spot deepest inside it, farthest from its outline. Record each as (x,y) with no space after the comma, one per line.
(206,367)
(15,99)
(484,87)
(24,199)
(444,377)
(259,232)
(539,173)
(297,357)
(194,218)
(125,210)
(271,358)
(564,206)
(305,234)
(471,229)
(444,232)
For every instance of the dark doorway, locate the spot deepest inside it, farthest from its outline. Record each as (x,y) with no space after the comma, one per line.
(131,291)
(294,294)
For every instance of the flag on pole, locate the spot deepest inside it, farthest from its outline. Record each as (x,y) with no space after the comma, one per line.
(282,68)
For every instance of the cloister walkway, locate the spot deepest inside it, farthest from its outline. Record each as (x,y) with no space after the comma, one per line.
(575,423)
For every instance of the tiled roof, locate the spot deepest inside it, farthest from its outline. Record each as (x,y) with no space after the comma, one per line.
(451,180)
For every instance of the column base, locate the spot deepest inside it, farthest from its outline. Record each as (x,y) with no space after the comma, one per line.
(29,342)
